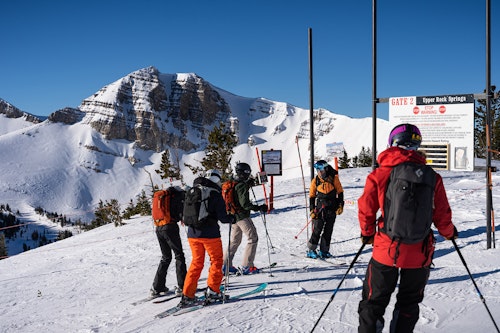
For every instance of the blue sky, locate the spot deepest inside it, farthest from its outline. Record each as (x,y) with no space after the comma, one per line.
(55,53)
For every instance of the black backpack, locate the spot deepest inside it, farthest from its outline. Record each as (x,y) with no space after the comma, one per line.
(409,202)
(196,206)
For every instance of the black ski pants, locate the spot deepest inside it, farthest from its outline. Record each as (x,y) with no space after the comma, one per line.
(380,282)
(322,231)
(169,240)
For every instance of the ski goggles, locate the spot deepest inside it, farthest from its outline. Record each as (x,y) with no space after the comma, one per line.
(320,166)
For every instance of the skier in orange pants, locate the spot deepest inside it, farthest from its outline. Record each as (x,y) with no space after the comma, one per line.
(207,238)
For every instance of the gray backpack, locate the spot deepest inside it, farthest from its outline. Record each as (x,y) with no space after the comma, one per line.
(195,213)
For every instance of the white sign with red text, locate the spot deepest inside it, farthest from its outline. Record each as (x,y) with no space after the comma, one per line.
(441,119)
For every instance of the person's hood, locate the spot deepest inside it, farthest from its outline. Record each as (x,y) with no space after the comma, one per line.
(394,155)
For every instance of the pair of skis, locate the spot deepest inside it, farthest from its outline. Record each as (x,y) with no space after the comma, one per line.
(200,303)
(331,260)
(160,298)
(239,273)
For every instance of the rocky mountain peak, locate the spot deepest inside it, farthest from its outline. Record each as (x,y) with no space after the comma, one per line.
(156,110)
(10,111)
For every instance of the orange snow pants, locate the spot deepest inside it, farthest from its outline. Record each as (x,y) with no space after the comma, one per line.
(213,246)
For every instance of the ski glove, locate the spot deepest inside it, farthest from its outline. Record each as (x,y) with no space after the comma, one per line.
(367,239)
(340,209)
(455,234)
(262,208)
(313,214)
(251,182)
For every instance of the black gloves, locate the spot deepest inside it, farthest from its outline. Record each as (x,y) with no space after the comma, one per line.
(251,182)
(263,208)
(455,234)
(367,239)
(260,208)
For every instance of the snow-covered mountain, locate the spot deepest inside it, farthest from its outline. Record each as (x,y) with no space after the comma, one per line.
(16,118)
(101,149)
(88,282)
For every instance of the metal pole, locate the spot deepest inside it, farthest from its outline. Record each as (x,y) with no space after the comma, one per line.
(488,129)
(311,109)
(311,105)
(374,84)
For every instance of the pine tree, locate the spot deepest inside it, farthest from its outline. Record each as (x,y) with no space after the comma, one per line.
(355,162)
(114,212)
(143,206)
(3,247)
(64,234)
(365,157)
(480,127)
(101,216)
(344,161)
(167,169)
(130,210)
(219,151)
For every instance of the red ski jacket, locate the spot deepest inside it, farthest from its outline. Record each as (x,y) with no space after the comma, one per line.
(385,251)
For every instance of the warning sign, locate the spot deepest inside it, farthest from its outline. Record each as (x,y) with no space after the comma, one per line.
(447,119)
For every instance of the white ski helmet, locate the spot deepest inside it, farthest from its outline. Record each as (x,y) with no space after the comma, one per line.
(214,175)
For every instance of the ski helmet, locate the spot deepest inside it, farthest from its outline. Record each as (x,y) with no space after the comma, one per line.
(406,136)
(243,171)
(213,175)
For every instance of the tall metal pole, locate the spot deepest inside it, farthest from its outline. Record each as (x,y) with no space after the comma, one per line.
(311,105)
(374,84)
(488,128)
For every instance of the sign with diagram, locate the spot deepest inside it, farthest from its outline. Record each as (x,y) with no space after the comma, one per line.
(335,149)
(272,162)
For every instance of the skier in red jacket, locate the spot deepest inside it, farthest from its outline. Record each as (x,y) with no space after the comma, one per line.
(391,259)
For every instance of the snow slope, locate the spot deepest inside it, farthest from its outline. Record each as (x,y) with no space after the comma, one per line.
(87,283)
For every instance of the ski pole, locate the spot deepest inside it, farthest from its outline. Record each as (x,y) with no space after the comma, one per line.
(263,216)
(226,273)
(303,183)
(474,282)
(297,235)
(268,239)
(308,224)
(263,220)
(343,278)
